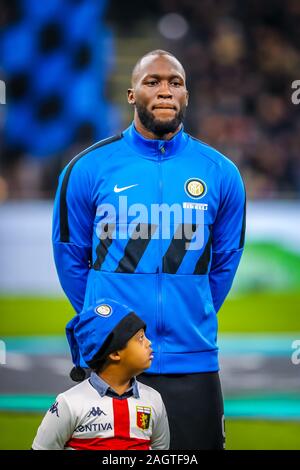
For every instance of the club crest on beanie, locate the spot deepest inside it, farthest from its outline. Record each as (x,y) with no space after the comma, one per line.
(101,329)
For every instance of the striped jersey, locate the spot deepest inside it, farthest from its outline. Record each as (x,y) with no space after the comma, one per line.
(82,419)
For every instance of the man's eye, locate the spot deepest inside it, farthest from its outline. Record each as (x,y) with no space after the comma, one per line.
(175,83)
(152,82)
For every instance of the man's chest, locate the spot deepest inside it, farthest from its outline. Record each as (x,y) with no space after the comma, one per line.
(175,191)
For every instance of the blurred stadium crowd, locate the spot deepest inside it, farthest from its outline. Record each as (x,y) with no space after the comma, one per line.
(58,58)
(242,61)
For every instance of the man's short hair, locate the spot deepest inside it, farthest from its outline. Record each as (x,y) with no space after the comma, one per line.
(159,52)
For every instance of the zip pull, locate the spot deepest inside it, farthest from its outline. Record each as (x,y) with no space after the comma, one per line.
(162,149)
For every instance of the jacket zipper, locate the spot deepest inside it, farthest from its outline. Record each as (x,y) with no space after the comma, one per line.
(160,322)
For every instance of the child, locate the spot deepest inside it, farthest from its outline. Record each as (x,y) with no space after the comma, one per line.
(110,410)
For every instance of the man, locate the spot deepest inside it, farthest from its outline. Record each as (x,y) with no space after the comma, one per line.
(156,219)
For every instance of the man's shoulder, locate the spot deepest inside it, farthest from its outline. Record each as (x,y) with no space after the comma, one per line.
(212,154)
(102,147)
(83,164)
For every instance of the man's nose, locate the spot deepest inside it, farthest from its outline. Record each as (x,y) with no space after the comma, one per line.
(164,90)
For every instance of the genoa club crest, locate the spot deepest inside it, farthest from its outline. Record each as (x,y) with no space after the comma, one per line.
(143,416)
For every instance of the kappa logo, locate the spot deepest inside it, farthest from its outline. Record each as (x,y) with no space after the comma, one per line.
(54,409)
(143,417)
(96,411)
(119,190)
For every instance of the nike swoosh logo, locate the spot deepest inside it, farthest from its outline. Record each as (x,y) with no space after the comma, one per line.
(118,190)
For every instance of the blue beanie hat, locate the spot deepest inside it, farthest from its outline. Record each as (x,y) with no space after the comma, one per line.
(100,330)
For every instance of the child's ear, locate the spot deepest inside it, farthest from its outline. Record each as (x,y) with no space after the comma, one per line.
(115,356)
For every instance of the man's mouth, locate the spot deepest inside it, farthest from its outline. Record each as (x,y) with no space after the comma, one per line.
(164,106)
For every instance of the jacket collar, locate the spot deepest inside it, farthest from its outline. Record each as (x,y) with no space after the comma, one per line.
(155,148)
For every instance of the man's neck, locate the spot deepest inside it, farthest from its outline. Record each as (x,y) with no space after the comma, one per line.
(149,134)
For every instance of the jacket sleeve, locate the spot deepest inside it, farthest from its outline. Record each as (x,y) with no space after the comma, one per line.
(72,229)
(56,428)
(228,234)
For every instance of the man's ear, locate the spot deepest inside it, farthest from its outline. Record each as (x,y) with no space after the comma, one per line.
(130,96)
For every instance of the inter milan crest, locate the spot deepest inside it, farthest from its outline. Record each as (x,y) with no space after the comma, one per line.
(143,416)
(195,188)
(104,310)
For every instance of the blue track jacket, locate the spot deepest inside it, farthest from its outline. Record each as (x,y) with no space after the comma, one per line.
(157,225)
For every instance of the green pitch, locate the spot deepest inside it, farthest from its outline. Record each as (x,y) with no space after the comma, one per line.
(248,313)
(259,312)
(20,430)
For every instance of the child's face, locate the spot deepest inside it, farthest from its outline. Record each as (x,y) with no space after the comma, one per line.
(137,356)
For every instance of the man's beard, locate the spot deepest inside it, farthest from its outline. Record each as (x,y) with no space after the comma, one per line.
(157,126)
